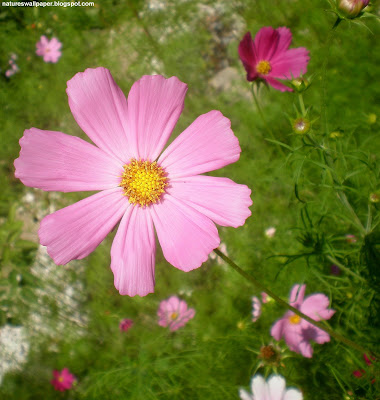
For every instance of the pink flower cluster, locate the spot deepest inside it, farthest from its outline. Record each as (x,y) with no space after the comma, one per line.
(174,313)
(297,332)
(125,325)
(49,49)
(13,66)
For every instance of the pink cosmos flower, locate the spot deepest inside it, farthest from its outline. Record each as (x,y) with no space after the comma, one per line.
(268,57)
(138,186)
(49,49)
(256,308)
(63,380)
(174,313)
(297,332)
(13,66)
(125,325)
(272,389)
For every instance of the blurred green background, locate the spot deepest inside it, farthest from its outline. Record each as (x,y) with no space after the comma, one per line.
(69,316)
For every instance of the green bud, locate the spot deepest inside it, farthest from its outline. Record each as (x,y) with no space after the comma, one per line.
(299,84)
(301,126)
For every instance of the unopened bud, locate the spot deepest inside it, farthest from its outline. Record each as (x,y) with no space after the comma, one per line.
(352,8)
(372,119)
(301,126)
(336,134)
(374,197)
(299,84)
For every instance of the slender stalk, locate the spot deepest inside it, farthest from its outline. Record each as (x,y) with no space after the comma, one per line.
(344,268)
(256,100)
(324,68)
(318,324)
(302,105)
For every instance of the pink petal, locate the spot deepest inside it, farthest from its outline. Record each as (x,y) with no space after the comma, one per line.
(305,349)
(290,64)
(44,41)
(266,41)
(100,109)
(276,387)
(133,253)
(75,231)
(296,295)
(244,395)
(259,388)
(276,84)
(293,394)
(277,329)
(154,106)
(248,57)
(207,144)
(284,41)
(186,236)
(315,306)
(55,161)
(220,199)
(182,320)
(292,336)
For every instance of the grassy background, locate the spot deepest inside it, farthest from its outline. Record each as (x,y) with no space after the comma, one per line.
(216,353)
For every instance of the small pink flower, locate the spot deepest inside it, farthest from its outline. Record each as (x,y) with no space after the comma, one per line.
(270,232)
(174,313)
(268,57)
(13,66)
(359,373)
(256,308)
(63,380)
(152,194)
(297,332)
(49,49)
(125,325)
(264,297)
(335,270)
(351,239)
(272,389)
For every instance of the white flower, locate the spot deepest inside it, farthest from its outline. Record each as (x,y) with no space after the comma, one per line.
(269,233)
(256,308)
(272,389)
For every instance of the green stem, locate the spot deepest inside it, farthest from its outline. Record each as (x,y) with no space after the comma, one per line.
(319,325)
(302,105)
(324,68)
(263,117)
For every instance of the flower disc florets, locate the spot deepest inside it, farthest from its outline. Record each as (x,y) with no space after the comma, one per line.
(143,182)
(263,67)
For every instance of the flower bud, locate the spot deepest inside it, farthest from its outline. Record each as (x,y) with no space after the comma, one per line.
(352,8)
(299,84)
(301,126)
(374,197)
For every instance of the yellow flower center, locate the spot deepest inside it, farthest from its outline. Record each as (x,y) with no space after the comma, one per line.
(60,379)
(295,319)
(173,315)
(263,67)
(143,182)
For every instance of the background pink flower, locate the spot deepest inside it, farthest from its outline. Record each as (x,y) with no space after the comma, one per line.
(272,389)
(63,380)
(268,57)
(174,313)
(256,308)
(168,196)
(297,332)
(125,325)
(49,49)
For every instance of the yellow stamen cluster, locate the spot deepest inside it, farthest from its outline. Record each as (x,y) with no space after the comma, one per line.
(143,182)
(173,315)
(263,67)
(295,319)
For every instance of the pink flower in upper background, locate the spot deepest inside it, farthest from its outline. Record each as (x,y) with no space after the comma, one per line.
(174,313)
(256,308)
(169,194)
(63,380)
(125,325)
(272,389)
(268,57)
(297,332)
(49,49)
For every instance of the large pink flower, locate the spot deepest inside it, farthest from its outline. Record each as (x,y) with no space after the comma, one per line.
(268,57)
(174,313)
(63,380)
(297,332)
(49,49)
(168,194)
